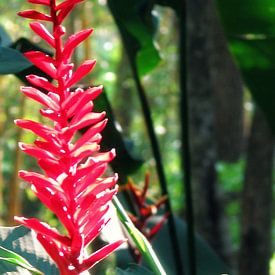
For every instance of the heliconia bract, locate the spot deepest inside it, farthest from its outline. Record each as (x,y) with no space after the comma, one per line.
(72,184)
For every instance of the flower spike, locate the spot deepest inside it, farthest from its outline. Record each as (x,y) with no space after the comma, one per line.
(72,184)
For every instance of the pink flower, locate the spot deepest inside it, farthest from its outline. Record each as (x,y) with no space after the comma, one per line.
(72,186)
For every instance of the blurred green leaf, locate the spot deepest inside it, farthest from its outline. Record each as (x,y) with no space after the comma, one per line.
(248,16)
(23,242)
(174,4)
(250,28)
(133,269)
(137,26)
(23,45)
(12,61)
(13,258)
(5,39)
(208,262)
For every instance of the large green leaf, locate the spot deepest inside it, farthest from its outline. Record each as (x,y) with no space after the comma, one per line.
(248,16)
(132,269)
(5,39)
(250,28)
(23,45)
(23,242)
(137,26)
(208,262)
(12,61)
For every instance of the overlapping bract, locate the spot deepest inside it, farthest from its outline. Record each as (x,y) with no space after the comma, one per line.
(144,211)
(72,186)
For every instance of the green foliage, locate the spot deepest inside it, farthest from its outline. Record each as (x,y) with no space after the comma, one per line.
(5,39)
(13,258)
(23,242)
(231,175)
(174,4)
(208,262)
(137,26)
(12,61)
(272,265)
(132,269)
(250,28)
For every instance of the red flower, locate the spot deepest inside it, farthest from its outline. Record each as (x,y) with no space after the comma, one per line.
(72,186)
(144,211)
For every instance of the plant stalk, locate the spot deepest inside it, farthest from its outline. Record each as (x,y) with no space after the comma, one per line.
(185,147)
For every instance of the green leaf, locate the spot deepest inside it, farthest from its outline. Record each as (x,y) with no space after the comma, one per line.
(5,39)
(208,262)
(12,61)
(137,26)
(256,59)
(250,29)
(174,4)
(133,269)
(13,258)
(248,16)
(23,45)
(23,242)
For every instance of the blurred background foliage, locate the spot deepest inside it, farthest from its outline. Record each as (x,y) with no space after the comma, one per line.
(161,82)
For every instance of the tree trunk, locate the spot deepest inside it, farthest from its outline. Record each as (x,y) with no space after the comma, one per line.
(208,207)
(228,93)
(256,219)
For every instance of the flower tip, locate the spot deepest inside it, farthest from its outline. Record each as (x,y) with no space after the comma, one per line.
(22,173)
(16,121)
(21,145)
(19,219)
(112,153)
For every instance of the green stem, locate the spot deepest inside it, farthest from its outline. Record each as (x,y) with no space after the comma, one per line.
(138,238)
